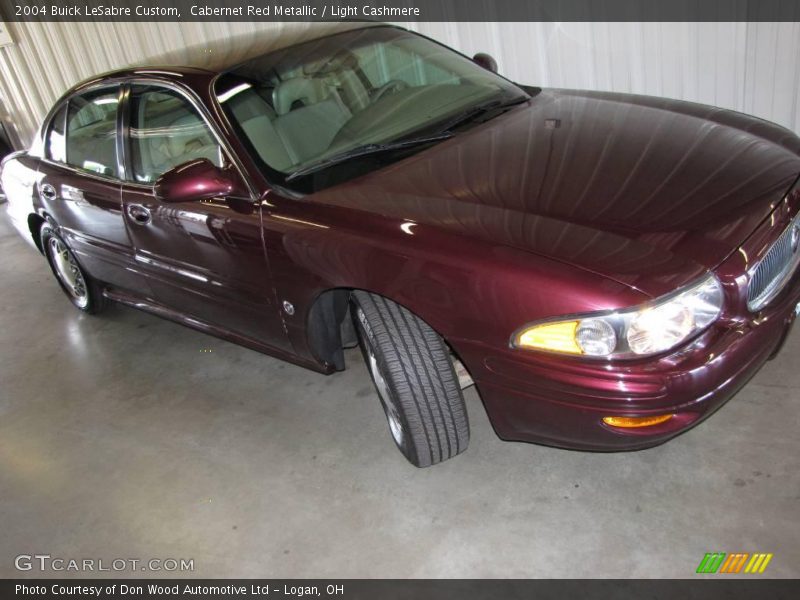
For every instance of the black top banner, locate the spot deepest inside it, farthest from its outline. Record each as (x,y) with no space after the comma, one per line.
(400,10)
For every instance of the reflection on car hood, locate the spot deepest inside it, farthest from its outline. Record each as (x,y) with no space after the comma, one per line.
(648,191)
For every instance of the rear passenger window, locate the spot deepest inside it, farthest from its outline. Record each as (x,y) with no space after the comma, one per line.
(55,137)
(92,132)
(165,132)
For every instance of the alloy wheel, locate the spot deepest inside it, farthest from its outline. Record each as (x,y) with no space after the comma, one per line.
(68,272)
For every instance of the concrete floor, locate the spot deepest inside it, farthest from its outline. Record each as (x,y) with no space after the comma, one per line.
(126,436)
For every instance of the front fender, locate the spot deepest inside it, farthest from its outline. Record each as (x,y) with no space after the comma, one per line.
(465,289)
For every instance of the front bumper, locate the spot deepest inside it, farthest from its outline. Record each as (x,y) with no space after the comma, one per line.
(561,401)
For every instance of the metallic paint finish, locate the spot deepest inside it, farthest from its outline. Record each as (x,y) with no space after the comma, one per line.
(136,301)
(647,191)
(197,180)
(207,260)
(573,202)
(88,212)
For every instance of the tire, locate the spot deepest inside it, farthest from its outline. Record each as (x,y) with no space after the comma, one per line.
(412,371)
(83,291)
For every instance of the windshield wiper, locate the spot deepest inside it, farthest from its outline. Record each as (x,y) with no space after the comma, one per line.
(365,150)
(478,110)
(443,132)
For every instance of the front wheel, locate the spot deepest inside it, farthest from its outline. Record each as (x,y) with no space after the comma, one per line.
(83,291)
(413,373)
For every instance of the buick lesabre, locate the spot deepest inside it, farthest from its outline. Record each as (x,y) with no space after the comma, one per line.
(607,269)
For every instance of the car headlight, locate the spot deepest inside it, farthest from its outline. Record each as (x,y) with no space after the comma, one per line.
(644,330)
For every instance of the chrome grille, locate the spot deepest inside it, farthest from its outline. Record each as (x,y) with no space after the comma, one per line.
(771,274)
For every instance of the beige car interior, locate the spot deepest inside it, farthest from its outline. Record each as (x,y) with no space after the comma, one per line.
(169,133)
(298,119)
(302,122)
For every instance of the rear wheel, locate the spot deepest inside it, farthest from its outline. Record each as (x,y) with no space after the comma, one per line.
(413,373)
(83,291)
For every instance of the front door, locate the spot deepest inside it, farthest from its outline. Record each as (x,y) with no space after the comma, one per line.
(204,260)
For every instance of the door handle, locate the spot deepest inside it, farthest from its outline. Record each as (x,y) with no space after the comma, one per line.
(139,214)
(47,191)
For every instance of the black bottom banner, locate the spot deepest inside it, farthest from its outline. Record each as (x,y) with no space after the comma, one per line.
(388,589)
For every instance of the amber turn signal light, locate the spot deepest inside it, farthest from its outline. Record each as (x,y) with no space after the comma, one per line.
(636,421)
(556,337)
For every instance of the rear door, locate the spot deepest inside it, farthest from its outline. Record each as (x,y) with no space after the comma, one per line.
(204,260)
(80,187)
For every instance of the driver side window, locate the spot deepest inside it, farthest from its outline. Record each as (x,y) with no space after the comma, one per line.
(165,132)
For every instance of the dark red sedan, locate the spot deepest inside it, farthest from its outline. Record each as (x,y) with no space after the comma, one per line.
(610,269)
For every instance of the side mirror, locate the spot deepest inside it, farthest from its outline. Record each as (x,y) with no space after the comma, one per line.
(197,180)
(486,61)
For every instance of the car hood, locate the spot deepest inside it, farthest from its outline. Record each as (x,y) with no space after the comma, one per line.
(647,191)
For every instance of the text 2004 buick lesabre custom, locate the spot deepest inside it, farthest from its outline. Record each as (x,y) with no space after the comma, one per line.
(609,268)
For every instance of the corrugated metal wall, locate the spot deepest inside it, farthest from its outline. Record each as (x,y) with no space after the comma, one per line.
(751,67)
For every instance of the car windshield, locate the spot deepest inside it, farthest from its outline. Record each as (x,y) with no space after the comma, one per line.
(322,103)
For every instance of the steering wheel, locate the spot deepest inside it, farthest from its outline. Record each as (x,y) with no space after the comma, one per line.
(393,85)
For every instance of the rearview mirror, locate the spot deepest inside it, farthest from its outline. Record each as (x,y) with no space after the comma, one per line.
(197,180)
(486,61)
